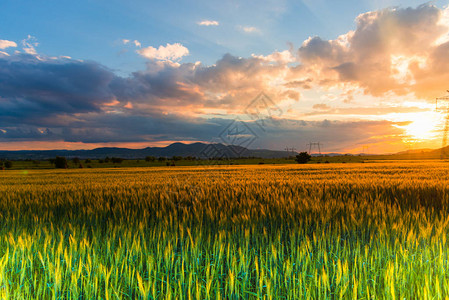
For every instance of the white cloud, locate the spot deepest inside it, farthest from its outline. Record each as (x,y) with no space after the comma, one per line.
(249,29)
(208,23)
(28,45)
(170,52)
(135,42)
(6,44)
(2,53)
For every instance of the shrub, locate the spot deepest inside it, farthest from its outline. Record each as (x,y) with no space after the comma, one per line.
(303,158)
(8,164)
(76,160)
(61,162)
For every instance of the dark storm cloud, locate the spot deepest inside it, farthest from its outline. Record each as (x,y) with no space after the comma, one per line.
(230,83)
(31,87)
(76,101)
(132,128)
(84,101)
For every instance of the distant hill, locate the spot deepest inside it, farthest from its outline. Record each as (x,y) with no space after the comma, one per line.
(199,150)
(414,154)
(417,151)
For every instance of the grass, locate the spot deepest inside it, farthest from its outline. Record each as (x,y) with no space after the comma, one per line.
(338,231)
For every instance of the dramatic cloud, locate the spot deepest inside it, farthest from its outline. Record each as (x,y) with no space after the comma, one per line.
(35,88)
(392,50)
(6,44)
(208,23)
(231,83)
(82,101)
(171,52)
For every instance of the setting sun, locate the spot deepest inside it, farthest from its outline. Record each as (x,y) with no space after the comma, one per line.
(424,127)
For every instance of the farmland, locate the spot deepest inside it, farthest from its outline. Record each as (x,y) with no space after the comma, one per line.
(321,231)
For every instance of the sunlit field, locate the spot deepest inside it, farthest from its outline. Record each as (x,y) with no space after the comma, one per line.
(357,231)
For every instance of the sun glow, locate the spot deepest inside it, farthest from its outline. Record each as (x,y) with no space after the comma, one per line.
(423,127)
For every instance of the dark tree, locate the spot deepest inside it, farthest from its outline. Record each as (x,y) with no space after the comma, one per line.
(8,164)
(87,161)
(303,158)
(150,158)
(76,160)
(61,162)
(161,159)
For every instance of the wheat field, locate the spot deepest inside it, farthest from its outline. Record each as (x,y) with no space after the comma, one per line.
(335,231)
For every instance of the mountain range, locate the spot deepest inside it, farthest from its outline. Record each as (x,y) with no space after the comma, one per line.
(199,150)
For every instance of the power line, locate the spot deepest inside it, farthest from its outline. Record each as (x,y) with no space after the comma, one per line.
(365,149)
(292,149)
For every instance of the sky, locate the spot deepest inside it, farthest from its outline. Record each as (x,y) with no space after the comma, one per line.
(356,76)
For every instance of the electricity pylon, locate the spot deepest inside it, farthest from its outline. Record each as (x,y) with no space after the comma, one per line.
(446,124)
(292,149)
(311,145)
(365,149)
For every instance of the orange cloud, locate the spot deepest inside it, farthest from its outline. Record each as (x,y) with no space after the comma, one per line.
(392,50)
